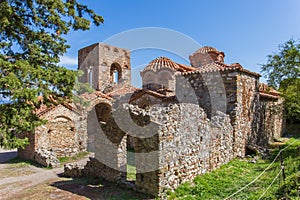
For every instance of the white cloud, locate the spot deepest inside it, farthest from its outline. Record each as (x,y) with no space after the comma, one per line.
(68,61)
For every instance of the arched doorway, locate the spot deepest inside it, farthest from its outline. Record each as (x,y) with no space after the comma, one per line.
(108,142)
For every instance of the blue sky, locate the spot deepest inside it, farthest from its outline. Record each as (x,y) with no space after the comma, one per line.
(247,31)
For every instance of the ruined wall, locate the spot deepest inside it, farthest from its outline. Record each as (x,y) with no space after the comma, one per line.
(28,151)
(183,143)
(196,146)
(100,58)
(268,122)
(64,133)
(247,98)
(236,93)
(213,91)
(109,145)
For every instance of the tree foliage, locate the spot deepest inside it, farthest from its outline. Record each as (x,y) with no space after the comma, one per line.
(282,71)
(283,65)
(31,42)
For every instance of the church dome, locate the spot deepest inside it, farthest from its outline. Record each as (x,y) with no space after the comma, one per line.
(207,49)
(206,55)
(160,63)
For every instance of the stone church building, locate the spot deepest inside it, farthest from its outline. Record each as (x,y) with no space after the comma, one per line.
(184,121)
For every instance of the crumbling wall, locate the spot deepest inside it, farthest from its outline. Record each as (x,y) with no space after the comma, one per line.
(182,144)
(268,122)
(247,98)
(213,91)
(96,62)
(109,145)
(65,134)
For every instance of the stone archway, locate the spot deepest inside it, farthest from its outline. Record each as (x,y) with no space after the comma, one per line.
(93,122)
(108,142)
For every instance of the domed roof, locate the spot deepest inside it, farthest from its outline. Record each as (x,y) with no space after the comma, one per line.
(208,49)
(205,55)
(163,62)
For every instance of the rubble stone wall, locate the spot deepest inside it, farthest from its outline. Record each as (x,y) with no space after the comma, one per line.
(109,145)
(247,98)
(100,58)
(64,134)
(269,121)
(235,93)
(184,144)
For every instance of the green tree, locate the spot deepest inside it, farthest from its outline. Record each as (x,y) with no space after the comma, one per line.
(282,71)
(32,39)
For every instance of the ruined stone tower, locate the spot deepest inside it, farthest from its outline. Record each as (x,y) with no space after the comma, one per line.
(105,67)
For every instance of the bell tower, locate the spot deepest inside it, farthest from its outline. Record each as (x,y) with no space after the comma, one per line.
(105,67)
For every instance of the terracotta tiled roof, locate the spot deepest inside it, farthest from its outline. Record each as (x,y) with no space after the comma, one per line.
(45,109)
(139,93)
(92,96)
(207,49)
(186,68)
(219,66)
(163,62)
(122,91)
(268,91)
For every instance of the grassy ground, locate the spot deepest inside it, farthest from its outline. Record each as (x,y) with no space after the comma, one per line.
(64,160)
(21,162)
(131,169)
(230,178)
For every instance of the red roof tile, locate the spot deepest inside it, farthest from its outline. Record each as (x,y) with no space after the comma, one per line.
(163,62)
(45,109)
(92,96)
(122,91)
(219,66)
(141,92)
(267,91)
(207,49)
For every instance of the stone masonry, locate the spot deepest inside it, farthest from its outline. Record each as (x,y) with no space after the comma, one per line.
(63,135)
(185,121)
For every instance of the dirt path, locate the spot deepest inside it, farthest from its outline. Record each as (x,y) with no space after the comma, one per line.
(27,182)
(10,186)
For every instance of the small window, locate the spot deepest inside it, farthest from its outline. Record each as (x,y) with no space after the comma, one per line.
(90,74)
(115,73)
(116,77)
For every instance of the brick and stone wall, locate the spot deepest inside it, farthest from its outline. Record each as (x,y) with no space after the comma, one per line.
(247,97)
(101,60)
(64,134)
(109,144)
(182,144)
(235,93)
(217,110)
(268,123)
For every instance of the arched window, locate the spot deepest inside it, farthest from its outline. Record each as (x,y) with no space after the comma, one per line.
(90,75)
(115,77)
(115,73)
